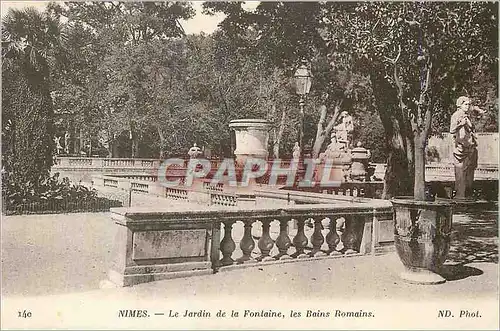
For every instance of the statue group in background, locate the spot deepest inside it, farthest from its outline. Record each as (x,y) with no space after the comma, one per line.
(465,148)
(343,131)
(354,161)
(335,149)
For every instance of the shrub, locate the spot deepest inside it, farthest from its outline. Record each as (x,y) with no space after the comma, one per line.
(51,195)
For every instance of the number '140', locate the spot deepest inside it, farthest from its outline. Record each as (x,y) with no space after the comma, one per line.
(24,314)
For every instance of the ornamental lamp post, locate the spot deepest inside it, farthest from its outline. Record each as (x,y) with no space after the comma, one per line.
(303,79)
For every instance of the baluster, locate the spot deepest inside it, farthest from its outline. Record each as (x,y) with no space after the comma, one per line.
(227,245)
(332,238)
(317,239)
(247,244)
(265,243)
(283,242)
(340,230)
(350,236)
(300,240)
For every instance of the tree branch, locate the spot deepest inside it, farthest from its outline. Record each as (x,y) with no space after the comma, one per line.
(336,112)
(425,94)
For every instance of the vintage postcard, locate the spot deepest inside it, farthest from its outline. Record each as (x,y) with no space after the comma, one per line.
(249,165)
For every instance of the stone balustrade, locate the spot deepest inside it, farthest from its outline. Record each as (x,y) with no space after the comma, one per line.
(109,182)
(446,171)
(82,169)
(106,162)
(208,185)
(176,193)
(153,244)
(223,199)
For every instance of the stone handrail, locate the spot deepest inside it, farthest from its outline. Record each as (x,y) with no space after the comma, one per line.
(143,177)
(167,243)
(94,162)
(446,171)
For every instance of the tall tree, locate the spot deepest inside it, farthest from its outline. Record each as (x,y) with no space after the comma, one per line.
(419,56)
(119,28)
(281,34)
(29,39)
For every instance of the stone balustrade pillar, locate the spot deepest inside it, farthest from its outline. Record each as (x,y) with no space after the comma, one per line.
(283,242)
(317,239)
(227,245)
(300,240)
(265,243)
(247,243)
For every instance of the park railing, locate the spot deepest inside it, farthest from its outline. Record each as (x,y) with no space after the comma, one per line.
(99,204)
(154,244)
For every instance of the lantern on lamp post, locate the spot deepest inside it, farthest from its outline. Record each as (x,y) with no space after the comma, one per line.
(303,79)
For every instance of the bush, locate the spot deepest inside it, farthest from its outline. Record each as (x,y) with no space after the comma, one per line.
(51,195)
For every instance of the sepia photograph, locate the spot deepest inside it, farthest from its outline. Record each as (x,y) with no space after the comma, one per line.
(202,165)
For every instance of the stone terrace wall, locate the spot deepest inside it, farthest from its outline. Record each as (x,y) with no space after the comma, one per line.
(487,148)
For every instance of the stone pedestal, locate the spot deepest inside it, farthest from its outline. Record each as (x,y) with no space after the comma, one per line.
(360,159)
(252,138)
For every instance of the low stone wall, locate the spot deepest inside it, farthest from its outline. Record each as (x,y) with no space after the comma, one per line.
(155,243)
(440,149)
(148,247)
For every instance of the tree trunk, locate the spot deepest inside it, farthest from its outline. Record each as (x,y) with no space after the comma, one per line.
(419,184)
(162,143)
(279,134)
(81,143)
(399,173)
(135,147)
(76,142)
(323,131)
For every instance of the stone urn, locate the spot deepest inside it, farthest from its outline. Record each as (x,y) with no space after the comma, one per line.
(422,237)
(360,159)
(252,139)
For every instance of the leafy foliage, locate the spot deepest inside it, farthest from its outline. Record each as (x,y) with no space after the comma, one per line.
(28,40)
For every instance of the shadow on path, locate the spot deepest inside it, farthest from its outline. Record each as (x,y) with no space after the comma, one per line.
(474,240)
(452,272)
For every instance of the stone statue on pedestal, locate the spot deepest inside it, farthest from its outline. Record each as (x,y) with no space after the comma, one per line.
(194,151)
(339,156)
(360,163)
(335,149)
(57,141)
(344,130)
(296,151)
(465,148)
(66,142)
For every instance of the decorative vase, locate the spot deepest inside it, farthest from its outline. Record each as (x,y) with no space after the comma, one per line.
(252,139)
(422,237)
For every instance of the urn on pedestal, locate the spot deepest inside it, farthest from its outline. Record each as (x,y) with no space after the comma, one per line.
(252,138)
